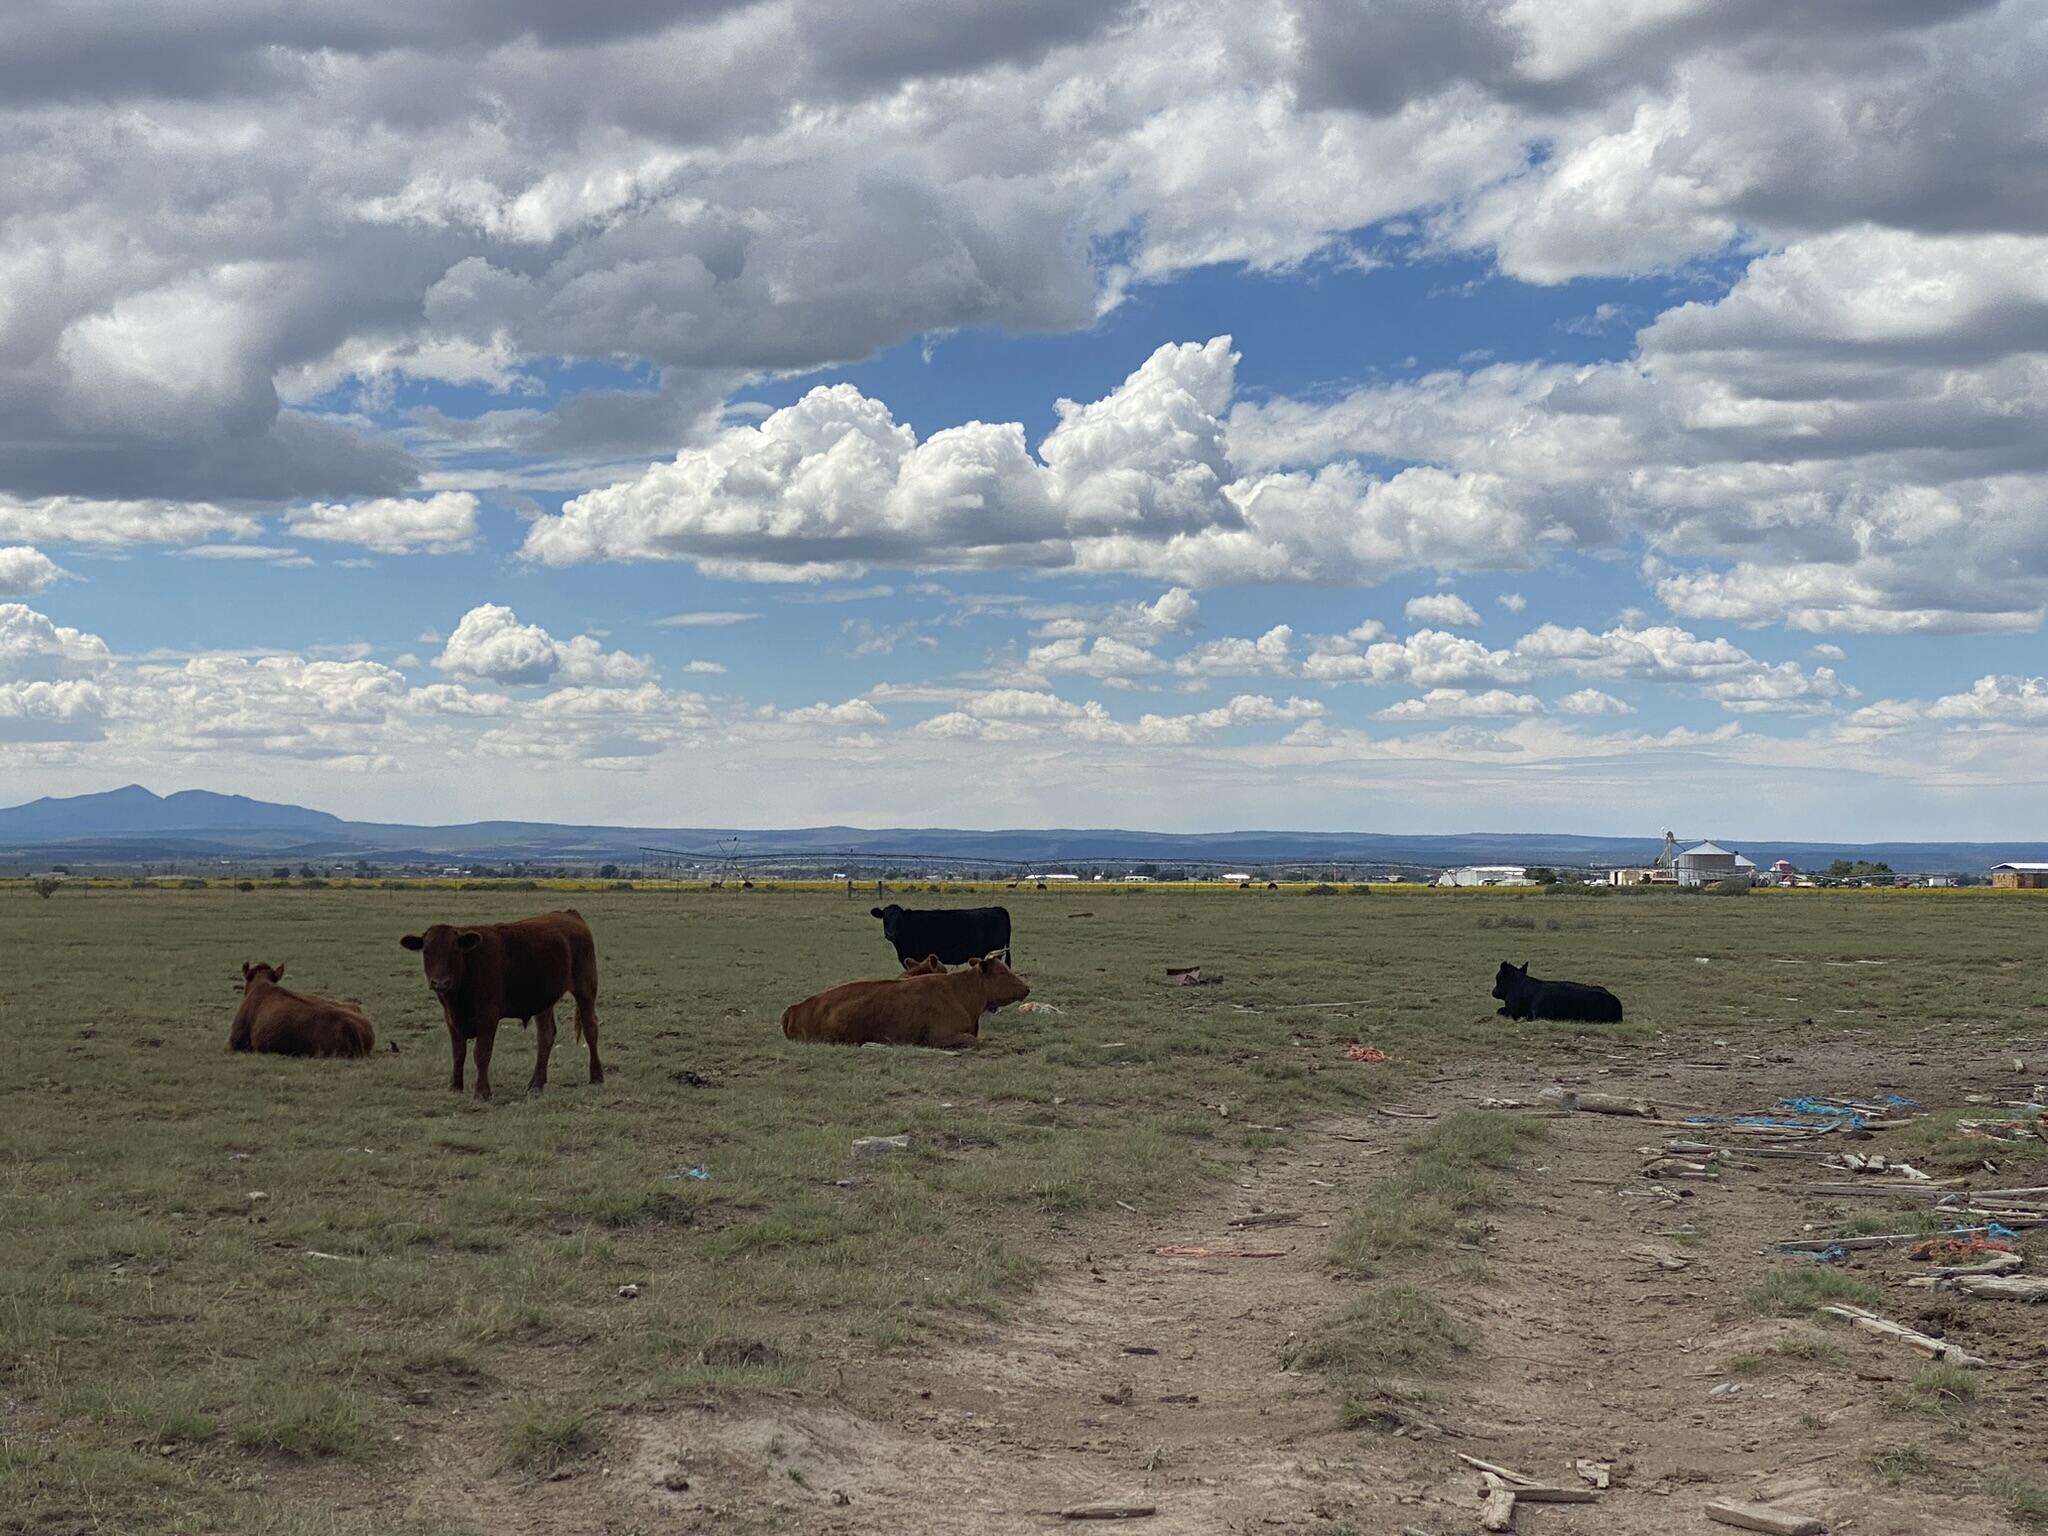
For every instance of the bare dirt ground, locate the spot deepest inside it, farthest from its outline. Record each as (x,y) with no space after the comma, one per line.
(1132,1377)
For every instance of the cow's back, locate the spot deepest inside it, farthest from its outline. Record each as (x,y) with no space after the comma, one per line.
(954,934)
(297,1024)
(526,966)
(1575,1001)
(898,1010)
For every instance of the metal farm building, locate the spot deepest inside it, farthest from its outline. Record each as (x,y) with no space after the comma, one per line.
(1710,864)
(2020,877)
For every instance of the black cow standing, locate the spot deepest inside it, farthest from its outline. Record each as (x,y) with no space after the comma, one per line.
(1523,996)
(955,935)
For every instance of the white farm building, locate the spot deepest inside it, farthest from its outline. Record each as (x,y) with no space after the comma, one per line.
(1709,864)
(1485,874)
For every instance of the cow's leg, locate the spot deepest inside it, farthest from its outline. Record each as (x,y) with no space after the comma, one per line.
(486,1037)
(586,1026)
(455,1045)
(543,1047)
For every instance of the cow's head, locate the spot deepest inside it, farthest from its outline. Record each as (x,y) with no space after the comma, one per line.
(444,953)
(1000,984)
(257,970)
(889,916)
(930,965)
(1508,978)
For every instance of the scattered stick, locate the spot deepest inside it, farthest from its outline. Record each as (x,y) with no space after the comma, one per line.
(1996,1264)
(2013,1219)
(1598,1103)
(2003,1287)
(1913,1339)
(1505,1474)
(1762,1517)
(1193,1251)
(1821,1245)
(1928,1191)
(1598,1473)
(1105,1512)
(1707,1148)
(1408,1114)
(1265,1219)
(1498,1513)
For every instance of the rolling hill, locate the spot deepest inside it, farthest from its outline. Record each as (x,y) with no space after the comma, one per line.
(134,825)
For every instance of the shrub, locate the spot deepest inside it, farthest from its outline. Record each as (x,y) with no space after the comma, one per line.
(47,886)
(1796,1292)
(1320,889)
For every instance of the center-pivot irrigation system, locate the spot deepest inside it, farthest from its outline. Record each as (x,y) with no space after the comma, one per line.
(728,863)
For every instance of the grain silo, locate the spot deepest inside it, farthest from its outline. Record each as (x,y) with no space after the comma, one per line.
(1710,864)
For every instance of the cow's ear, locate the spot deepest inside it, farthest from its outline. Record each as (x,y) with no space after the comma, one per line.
(874,911)
(1525,967)
(277,973)
(247,970)
(412,941)
(468,939)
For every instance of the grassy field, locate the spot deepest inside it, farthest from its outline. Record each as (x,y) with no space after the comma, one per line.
(221,1275)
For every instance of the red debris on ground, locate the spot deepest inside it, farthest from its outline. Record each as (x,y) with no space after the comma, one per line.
(1947,1250)
(1367,1053)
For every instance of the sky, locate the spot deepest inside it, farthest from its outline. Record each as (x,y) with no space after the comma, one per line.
(1378,415)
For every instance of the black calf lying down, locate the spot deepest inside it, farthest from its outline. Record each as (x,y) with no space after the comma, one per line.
(1523,996)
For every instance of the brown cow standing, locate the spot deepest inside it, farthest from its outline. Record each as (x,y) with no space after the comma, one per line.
(516,970)
(287,1023)
(939,1008)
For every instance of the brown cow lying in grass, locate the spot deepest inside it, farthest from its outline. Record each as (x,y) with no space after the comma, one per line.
(519,970)
(295,1023)
(937,1008)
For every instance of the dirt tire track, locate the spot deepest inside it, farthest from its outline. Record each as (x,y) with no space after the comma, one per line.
(1583,1347)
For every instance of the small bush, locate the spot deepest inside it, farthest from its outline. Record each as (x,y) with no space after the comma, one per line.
(1447,1180)
(540,1440)
(2027,1502)
(1360,889)
(1321,890)
(301,1418)
(1796,1292)
(1728,888)
(1895,1464)
(47,887)
(1388,1327)
(245,885)
(1941,1387)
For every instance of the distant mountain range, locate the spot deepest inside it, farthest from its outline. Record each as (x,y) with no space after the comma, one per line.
(132,825)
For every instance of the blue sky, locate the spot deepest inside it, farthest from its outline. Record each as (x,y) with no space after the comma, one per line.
(1585,427)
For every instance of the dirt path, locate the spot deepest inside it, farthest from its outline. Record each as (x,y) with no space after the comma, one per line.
(1138,1378)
